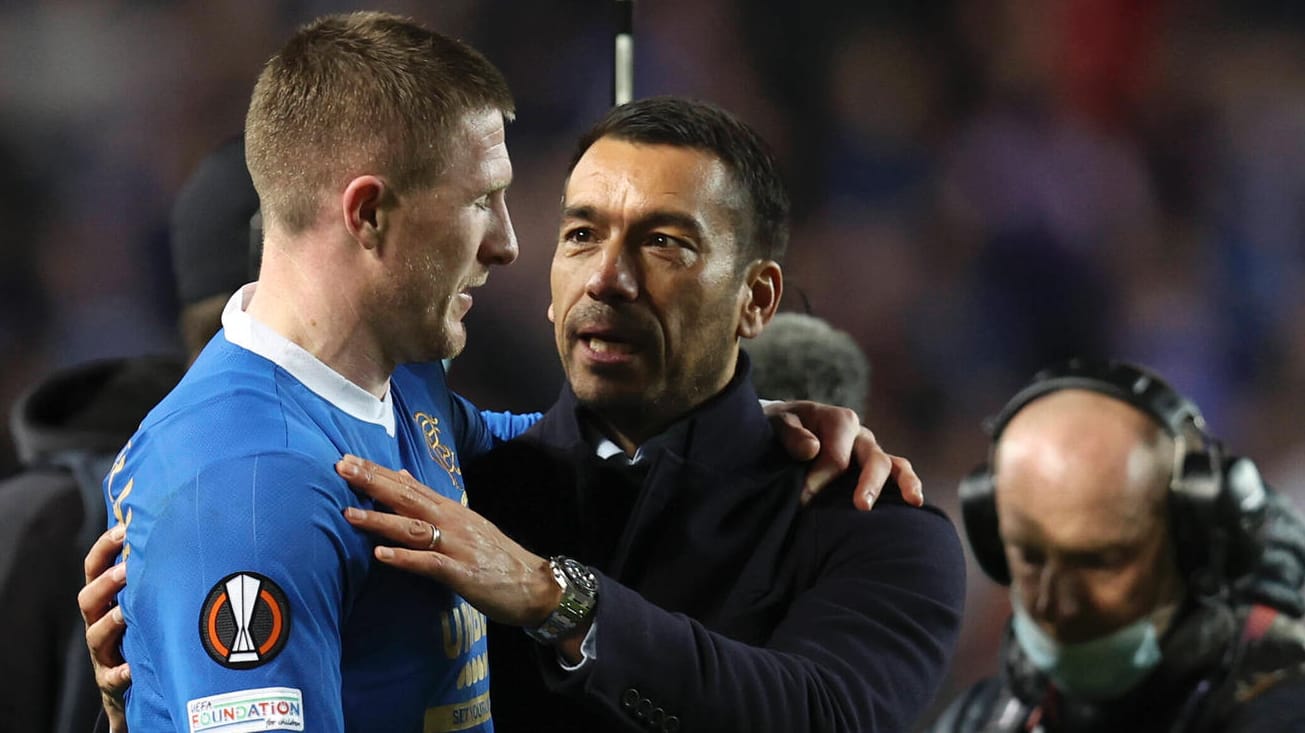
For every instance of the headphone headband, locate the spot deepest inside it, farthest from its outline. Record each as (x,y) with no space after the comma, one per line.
(1127,383)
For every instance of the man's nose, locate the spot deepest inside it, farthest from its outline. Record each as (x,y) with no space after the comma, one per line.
(1058,595)
(500,244)
(615,276)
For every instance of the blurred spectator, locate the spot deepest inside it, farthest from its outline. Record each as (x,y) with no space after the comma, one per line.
(68,429)
(210,241)
(23,306)
(802,357)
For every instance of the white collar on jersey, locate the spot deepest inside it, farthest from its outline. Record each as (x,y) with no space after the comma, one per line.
(244,331)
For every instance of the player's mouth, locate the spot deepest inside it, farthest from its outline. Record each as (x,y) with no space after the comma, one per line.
(464,299)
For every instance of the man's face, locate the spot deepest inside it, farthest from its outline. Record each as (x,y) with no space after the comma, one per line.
(1081,480)
(647,292)
(445,239)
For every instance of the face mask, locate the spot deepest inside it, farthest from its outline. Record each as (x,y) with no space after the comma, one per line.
(1099,669)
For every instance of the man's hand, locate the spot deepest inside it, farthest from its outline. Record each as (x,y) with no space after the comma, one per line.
(439,538)
(105,625)
(832,436)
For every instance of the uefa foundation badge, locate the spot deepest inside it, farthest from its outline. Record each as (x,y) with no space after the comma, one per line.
(245,621)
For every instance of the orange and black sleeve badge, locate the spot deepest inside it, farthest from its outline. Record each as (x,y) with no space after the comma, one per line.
(245,621)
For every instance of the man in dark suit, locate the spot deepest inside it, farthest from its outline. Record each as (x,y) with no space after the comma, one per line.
(687,588)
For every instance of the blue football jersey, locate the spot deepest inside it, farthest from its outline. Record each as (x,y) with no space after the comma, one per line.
(251,603)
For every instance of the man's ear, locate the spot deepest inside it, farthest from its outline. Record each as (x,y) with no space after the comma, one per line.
(365,204)
(763,285)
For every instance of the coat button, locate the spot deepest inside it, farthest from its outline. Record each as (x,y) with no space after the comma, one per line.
(671,724)
(630,699)
(655,718)
(644,709)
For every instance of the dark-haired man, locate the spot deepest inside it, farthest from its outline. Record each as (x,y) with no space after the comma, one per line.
(695,593)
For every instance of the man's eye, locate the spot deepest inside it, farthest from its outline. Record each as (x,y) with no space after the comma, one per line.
(663,240)
(1031,555)
(1107,560)
(579,234)
(482,202)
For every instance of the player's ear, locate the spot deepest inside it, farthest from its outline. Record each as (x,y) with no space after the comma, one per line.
(763,285)
(365,205)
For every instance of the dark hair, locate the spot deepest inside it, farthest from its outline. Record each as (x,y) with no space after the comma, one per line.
(361,92)
(688,123)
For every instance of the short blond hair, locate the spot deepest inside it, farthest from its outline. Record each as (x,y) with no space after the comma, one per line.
(360,93)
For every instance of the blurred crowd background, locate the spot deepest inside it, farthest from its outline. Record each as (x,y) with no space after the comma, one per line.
(980,186)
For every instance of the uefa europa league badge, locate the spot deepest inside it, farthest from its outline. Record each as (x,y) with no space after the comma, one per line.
(245,621)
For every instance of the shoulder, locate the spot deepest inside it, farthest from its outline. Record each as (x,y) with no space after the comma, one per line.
(1268,683)
(912,554)
(890,518)
(225,385)
(279,514)
(1275,650)
(217,462)
(238,475)
(31,499)
(231,408)
(916,549)
(1275,707)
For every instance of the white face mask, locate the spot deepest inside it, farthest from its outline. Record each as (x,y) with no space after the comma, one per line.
(1099,669)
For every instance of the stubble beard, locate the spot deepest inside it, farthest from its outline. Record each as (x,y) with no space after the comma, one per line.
(423,328)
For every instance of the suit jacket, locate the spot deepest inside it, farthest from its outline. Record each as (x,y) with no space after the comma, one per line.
(723,605)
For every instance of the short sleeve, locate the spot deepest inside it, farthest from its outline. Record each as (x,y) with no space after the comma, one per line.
(236,593)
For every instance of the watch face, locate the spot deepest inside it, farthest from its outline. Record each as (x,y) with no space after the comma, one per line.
(580,575)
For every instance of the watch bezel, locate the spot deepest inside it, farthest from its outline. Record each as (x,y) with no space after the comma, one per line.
(580,575)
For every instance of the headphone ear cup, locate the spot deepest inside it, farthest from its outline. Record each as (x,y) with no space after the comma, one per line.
(977,493)
(1243,506)
(1193,492)
(1217,509)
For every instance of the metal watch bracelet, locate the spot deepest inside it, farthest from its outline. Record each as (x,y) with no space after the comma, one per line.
(579,598)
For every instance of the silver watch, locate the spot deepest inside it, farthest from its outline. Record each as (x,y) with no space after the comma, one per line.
(579,598)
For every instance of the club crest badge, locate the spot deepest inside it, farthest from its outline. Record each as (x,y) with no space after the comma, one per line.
(245,621)
(440,452)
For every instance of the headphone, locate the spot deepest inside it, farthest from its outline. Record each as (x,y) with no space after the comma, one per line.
(1216,503)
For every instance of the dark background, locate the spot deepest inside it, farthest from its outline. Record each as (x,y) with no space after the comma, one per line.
(981,186)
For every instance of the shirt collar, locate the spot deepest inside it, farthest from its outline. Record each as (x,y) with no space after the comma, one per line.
(243,330)
(647,452)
